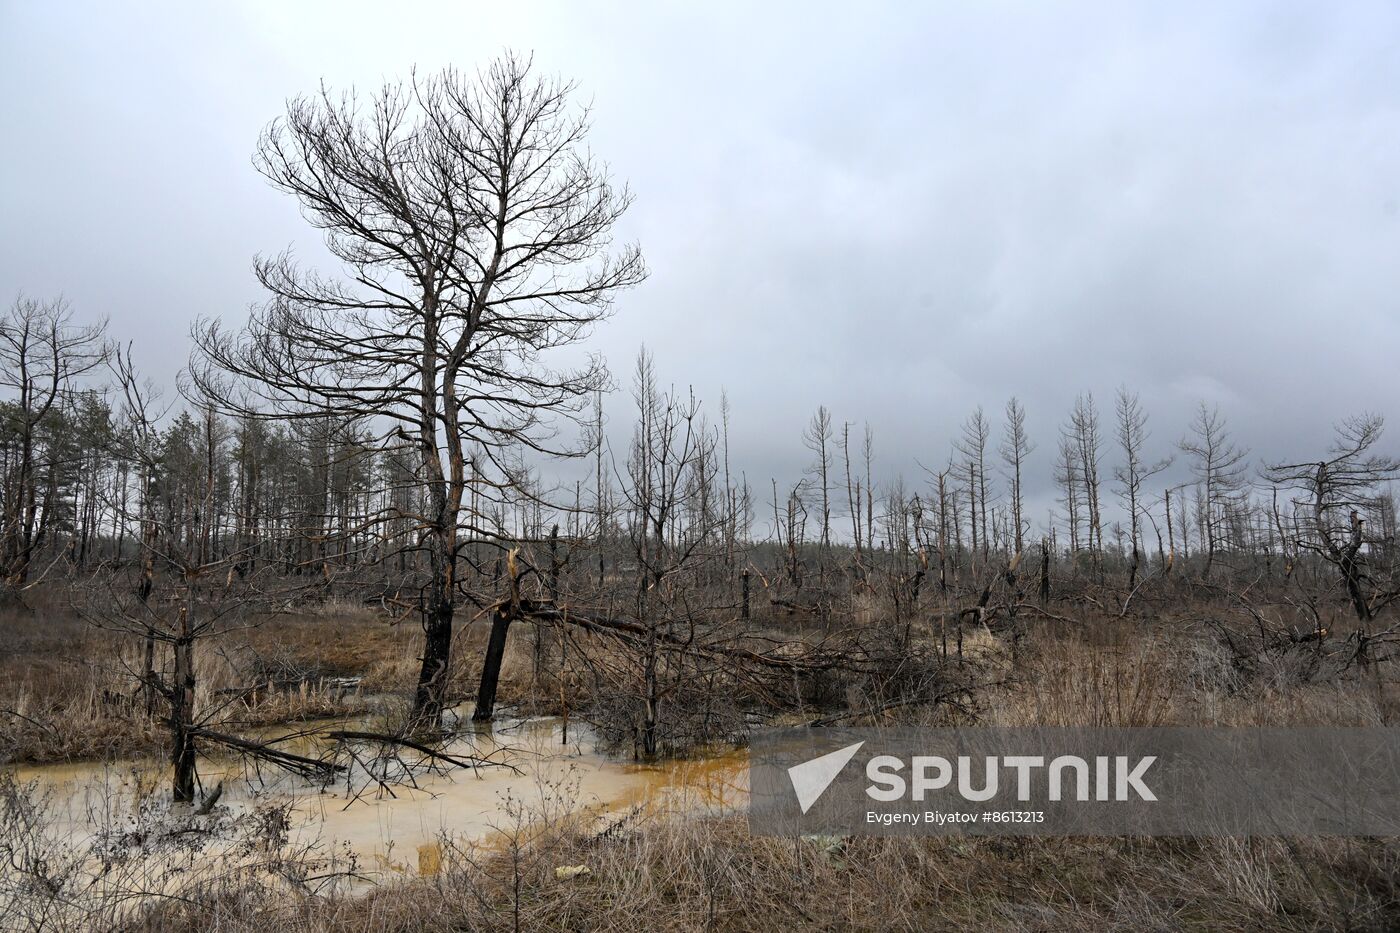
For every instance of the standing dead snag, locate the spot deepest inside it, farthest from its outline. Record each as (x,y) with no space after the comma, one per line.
(1134,471)
(475,231)
(852,498)
(190,603)
(485,708)
(817,437)
(1338,493)
(1219,468)
(502,615)
(976,433)
(667,529)
(138,446)
(1081,435)
(1015,448)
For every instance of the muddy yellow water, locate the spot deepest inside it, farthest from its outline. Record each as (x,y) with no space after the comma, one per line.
(398,829)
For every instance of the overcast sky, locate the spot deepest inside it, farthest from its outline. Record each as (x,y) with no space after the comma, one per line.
(899,214)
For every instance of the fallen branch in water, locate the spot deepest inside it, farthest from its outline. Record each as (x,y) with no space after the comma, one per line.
(263,751)
(460,761)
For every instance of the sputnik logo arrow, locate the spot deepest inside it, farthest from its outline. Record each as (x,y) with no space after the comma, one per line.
(811,778)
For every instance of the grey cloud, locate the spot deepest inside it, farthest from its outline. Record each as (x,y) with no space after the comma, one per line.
(898,213)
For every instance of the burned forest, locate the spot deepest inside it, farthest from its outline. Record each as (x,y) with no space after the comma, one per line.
(396,605)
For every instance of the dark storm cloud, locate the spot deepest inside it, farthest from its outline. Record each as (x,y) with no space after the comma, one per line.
(898,214)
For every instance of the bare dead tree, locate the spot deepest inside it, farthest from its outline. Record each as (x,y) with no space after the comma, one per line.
(1339,493)
(868,452)
(1134,471)
(853,493)
(731,498)
(1016,446)
(818,438)
(795,525)
(1086,446)
(475,232)
(1218,466)
(138,444)
(944,538)
(1067,476)
(664,479)
(976,434)
(195,595)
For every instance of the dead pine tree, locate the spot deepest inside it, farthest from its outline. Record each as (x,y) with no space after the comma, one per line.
(1085,446)
(818,439)
(976,435)
(868,454)
(180,593)
(1015,448)
(662,485)
(138,444)
(475,231)
(1134,470)
(1067,477)
(852,500)
(1339,494)
(1218,466)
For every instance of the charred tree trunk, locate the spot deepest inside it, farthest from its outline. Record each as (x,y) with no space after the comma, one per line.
(491,667)
(744,580)
(182,752)
(1044,573)
(1349,562)
(143,593)
(429,698)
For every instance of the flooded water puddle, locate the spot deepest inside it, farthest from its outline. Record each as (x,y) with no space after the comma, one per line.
(396,829)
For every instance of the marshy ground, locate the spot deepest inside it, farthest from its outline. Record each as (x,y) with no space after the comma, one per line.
(671,859)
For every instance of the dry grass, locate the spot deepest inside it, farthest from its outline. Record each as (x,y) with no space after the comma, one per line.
(679,873)
(1117,673)
(69,691)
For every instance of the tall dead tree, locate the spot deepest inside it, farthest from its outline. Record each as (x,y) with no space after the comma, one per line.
(1134,471)
(852,491)
(943,527)
(818,438)
(475,232)
(1086,445)
(1339,494)
(731,495)
(868,452)
(1218,466)
(976,434)
(662,486)
(1015,448)
(138,445)
(1067,473)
